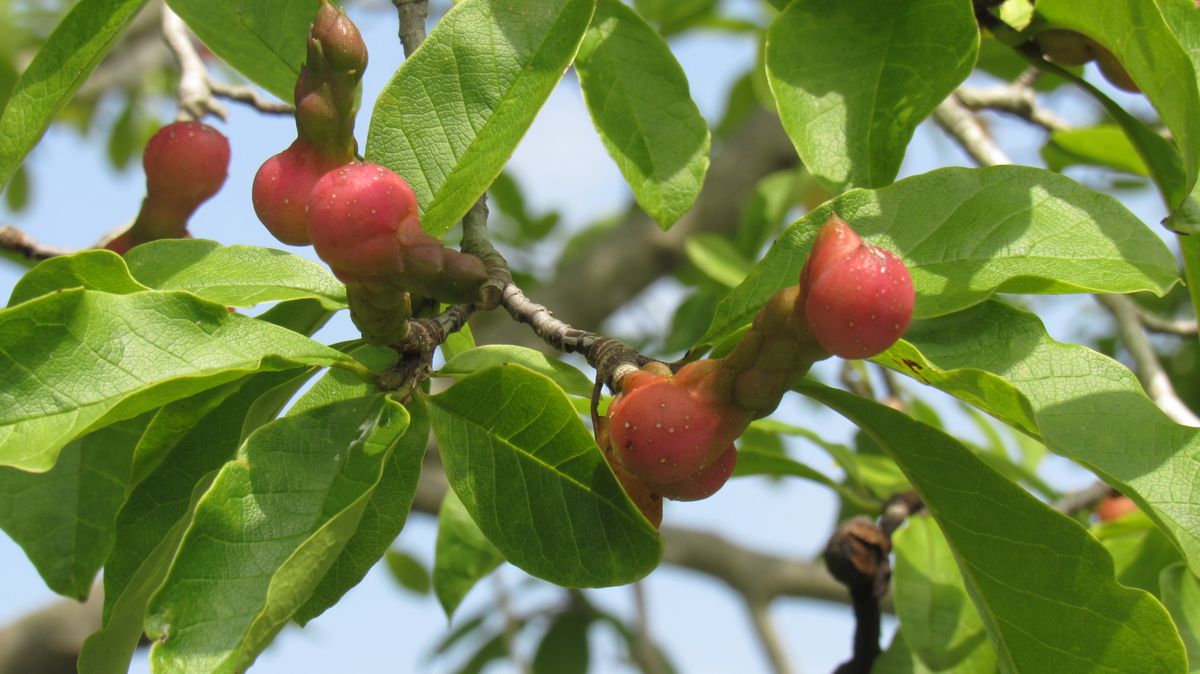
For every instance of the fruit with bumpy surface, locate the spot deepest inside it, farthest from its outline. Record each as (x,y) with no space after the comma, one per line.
(706,482)
(1114,72)
(186,163)
(858,299)
(282,188)
(662,433)
(648,502)
(355,214)
(364,223)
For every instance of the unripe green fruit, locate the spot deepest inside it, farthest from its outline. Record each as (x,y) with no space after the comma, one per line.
(282,188)
(706,482)
(1114,72)
(661,433)
(858,299)
(1065,47)
(186,163)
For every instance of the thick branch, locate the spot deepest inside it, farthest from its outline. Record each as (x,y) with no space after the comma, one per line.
(768,636)
(1017,98)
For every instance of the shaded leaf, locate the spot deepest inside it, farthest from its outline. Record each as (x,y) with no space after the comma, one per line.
(483,357)
(532,478)
(463,555)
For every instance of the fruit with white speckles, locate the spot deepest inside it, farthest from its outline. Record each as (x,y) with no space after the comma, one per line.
(704,483)
(858,299)
(282,188)
(662,432)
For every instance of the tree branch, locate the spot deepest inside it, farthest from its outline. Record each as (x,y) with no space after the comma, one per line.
(964,127)
(20,244)
(768,636)
(1016,98)
(412,23)
(1149,370)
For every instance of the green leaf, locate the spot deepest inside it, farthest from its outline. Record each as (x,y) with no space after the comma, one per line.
(637,95)
(717,258)
(532,478)
(450,130)
(1043,587)
(1081,404)
(1140,550)
(673,16)
(899,658)
(408,571)
(209,427)
(463,555)
(967,234)
(101,270)
(564,646)
(64,518)
(267,531)
(853,79)
(78,360)
(265,40)
(1105,145)
(1181,595)
(757,462)
(241,276)
(941,626)
(65,60)
(1138,34)
(387,508)
(483,357)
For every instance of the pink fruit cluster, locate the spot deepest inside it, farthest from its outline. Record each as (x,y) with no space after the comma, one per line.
(186,163)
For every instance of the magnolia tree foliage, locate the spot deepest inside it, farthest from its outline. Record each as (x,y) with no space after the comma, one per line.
(232,475)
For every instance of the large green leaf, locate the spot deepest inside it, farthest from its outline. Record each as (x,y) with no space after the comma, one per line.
(267,531)
(264,39)
(1139,35)
(1181,595)
(854,78)
(1140,550)
(967,234)
(242,276)
(1105,145)
(158,511)
(1043,586)
(941,626)
(637,95)
(455,110)
(78,360)
(101,270)
(65,60)
(532,478)
(64,518)
(1080,403)
(386,512)
(463,555)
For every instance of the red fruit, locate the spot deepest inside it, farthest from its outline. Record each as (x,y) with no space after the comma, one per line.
(358,216)
(1113,507)
(282,188)
(858,299)
(186,163)
(706,482)
(662,433)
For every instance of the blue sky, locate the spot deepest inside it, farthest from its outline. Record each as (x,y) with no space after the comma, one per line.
(562,166)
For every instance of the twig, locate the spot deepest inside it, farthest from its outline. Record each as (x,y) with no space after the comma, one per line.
(955,119)
(1084,499)
(645,646)
(13,240)
(1149,370)
(195,95)
(412,23)
(1156,323)
(612,358)
(768,636)
(198,91)
(1017,98)
(857,555)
